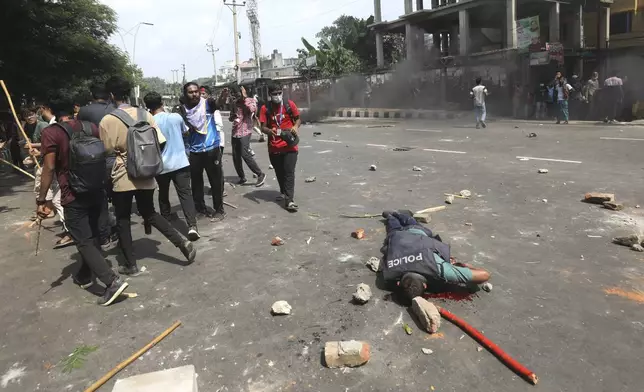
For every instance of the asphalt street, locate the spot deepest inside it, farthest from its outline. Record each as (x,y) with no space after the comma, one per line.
(566,302)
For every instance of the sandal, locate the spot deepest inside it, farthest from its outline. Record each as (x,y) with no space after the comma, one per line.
(67,240)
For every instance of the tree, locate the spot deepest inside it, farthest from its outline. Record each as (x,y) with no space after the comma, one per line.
(154,84)
(333,59)
(56,48)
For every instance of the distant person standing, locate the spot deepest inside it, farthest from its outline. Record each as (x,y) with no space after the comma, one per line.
(591,94)
(613,96)
(243,123)
(517,97)
(561,94)
(540,99)
(99,107)
(478,93)
(176,167)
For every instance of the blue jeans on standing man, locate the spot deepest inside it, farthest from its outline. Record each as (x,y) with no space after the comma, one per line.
(562,114)
(480,113)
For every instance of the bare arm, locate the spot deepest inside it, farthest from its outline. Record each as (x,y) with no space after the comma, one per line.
(47,175)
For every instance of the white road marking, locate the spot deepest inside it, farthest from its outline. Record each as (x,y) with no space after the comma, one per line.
(621,138)
(424,130)
(328,141)
(306,146)
(324,152)
(447,151)
(548,159)
(378,145)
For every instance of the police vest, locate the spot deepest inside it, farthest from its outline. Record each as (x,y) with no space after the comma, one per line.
(412,252)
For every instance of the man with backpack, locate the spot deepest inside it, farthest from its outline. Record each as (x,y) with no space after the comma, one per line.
(281,121)
(205,144)
(73,152)
(133,136)
(176,167)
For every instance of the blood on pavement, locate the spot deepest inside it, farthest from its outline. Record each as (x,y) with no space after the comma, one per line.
(454,296)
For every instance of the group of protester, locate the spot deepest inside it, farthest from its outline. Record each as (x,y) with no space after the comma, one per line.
(112,152)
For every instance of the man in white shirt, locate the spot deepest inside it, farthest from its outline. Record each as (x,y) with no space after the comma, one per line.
(614,93)
(562,93)
(479,93)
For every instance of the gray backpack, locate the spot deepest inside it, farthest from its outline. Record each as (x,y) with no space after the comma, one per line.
(143,150)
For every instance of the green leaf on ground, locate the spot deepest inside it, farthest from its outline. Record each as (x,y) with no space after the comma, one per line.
(76,359)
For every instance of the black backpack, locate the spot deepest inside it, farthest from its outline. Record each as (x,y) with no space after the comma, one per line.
(144,158)
(289,137)
(86,159)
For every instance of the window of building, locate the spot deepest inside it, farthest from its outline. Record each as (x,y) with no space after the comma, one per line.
(621,22)
(277,73)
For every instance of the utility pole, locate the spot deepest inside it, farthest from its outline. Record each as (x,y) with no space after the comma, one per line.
(175,82)
(233,7)
(213,50)
(183,68)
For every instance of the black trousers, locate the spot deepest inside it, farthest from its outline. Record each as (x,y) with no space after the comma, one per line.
(284,164)
(145,204)
(181,180)
(82,218)
(241,150)
(210,161)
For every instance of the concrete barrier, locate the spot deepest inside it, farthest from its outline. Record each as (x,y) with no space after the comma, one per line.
(380,113)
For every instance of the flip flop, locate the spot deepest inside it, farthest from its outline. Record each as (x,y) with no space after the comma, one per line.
(64,242)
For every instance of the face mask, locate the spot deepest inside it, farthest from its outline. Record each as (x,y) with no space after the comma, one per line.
(276,98)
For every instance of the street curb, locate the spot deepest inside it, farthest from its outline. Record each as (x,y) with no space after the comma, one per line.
(395,114)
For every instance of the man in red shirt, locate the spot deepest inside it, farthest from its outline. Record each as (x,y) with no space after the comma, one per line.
(82,210)
(281,121)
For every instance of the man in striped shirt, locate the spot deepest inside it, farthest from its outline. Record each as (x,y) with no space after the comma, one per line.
(243,122)
(613,95)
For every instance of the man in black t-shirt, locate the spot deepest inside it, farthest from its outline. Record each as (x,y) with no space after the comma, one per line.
(99,108)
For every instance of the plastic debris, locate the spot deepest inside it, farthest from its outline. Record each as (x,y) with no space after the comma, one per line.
(465,193)
(277,241)
(427,351)
(373,168)
(310,179)
(542,171)
(407,329)
(417,169)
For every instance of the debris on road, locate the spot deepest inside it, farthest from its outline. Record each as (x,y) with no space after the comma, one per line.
(456,196)
(270,167)
(417,169)
(407,329)
(611,205)
(358,216)
(232,185)
(374,264)
(402,149)
(427,314)
(637,248)
(487,287)
(314,214)
(310,179)
(423,218)
(542,171)
(308,242)
(277,241)
(230,205)
(346,354)
(358,234)
(479,349)
(281,308)
(449,199)
(628,240)
(427,351)
(593,236)
(532,134)
(468,224)
(362,294)
(598,197)
(372,167)
(524,159)
(544,200)
(431,209)
(637,206)
(317,133)
(465,193)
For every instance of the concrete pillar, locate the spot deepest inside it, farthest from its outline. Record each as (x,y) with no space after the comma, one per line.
(445,44)
(463,32)
(434,4)
(454,41)
(380,52)
(578,28)
(409,7)
(419,5)
(436,39)
(411,41)
(377,11)
(511,24)
(554,23)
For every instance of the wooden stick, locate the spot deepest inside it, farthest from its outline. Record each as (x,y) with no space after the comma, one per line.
(17,168)
(230,205)
(367,216)
(431,209)
(133,358)
(15,116)
(38,237)
(456,196)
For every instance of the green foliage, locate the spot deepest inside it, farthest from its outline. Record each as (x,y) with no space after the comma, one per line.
(55,49)
(76,359)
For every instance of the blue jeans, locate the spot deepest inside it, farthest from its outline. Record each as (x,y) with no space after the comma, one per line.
(563,110)
(480,113)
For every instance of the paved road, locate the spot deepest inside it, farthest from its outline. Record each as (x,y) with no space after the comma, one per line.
(555,273)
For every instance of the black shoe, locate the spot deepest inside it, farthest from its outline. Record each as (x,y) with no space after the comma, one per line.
(83,283)
(292,206)
(204,214)
(112,292)
(483,124)
(132,271)
(188,251)
(148,228)
(110,243)
(218,217)
(260,180)
(193,234)
(242,181)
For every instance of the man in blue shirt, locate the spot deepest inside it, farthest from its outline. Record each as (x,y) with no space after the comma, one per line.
(176,167)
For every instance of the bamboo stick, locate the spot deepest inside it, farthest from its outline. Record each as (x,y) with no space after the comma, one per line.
(15,116)
(431,209)
(17,168)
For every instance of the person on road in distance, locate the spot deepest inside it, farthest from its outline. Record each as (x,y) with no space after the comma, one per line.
(591,94)
(205,145)
(242,130)
(114,134)
(82,209)
(416,260)
(478,93)
(613,95)
(281,121)
(561,94)
(176,167)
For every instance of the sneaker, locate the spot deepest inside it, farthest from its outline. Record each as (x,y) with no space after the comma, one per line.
(566,122)
(483,124)
(110,243)
(132,271)
(242,181)
(218,217)
(112,292)
(262,139)
(280,197)
(292,206)
(193,234)
(260,180)
(189,251)
(252,153)
(558,122)
(83,283)
(478,126)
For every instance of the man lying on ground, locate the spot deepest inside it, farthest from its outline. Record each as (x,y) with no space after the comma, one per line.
(415,259)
